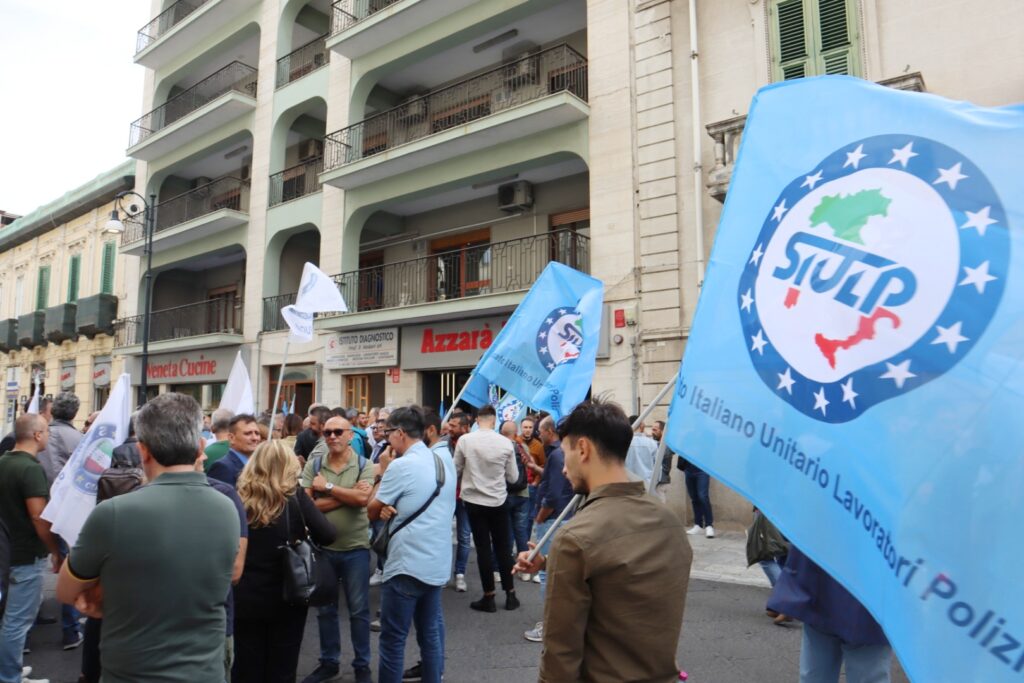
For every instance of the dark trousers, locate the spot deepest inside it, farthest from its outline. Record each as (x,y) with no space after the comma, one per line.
(267,649)
(697,484)
(490,525)
(91,651)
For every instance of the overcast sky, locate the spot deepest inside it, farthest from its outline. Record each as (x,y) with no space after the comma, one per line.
(70,91)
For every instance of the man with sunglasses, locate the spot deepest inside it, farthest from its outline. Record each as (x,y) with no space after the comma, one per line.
(339,484)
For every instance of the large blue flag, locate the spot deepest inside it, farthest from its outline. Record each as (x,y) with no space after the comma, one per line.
(855,366)
(545,354)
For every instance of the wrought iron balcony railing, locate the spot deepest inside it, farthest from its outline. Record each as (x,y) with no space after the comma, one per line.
(347,13)
(221,315)
(223,193)
(165,21)
(295,182)
(235,76)
(557,69)
(302,61)
(475,270)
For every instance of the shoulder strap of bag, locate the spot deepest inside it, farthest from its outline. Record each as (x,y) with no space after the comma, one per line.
(439,478)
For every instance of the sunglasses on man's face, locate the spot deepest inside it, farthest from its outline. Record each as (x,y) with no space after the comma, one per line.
(335,432)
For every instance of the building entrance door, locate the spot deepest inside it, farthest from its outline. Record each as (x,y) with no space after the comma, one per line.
(440,387)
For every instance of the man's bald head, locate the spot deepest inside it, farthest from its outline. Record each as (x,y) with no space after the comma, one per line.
(509,429)
(31,433)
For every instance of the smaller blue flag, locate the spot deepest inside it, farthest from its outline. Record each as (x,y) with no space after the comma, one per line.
(545,354)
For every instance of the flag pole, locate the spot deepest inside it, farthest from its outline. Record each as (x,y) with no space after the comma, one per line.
(652,485)
(455,401)
(578,498)
(280,378)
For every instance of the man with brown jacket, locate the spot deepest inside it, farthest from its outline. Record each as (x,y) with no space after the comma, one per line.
(617,573)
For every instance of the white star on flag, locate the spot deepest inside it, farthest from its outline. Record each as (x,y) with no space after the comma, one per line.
(550,320)
(951,176)
(785,382)
(979,220)
(755,258)
(819,400)
(543,349)
(853,158)
(849,395)
(950,336)
(542,335)
(903,154)
(978,277)
(561,311)
(779,210)
(758,342)
(811,180)
(747,300)
(898,373)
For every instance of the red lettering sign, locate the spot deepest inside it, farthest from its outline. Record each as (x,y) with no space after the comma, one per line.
(200,368)
(447,342)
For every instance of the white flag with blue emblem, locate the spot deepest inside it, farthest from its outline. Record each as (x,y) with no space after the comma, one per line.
(856,365)
(317,294)
(73,494)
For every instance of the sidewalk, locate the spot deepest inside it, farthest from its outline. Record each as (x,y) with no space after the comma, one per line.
(724,559)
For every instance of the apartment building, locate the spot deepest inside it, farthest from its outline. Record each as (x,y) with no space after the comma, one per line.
(59,287)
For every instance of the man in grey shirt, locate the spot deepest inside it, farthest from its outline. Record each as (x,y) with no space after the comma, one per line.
(642,452)
(485,462)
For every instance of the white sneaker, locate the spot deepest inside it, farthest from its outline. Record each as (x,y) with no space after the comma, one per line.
(525,577)
(377,578)
(536,578)
(25,671)
(709,531)
(693,530)
(35,680)
(460,583)
(535,634)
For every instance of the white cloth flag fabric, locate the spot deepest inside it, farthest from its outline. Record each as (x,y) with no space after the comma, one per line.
(33,404)
(73,494)
(238,396)
(317,294)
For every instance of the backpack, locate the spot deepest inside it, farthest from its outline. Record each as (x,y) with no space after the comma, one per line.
(121,477)
(521,482)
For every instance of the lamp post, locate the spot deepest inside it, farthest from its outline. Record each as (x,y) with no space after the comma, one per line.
(115,226)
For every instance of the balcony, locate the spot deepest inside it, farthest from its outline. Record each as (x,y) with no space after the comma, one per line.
(496,268)
(96,315)
(302,61)
(199,213)
(515,100)
(295,182)
(59,323)
(9,335)
(182,26)
(727,134)
(217,99)
(360,26)
(221,316)
(30,329)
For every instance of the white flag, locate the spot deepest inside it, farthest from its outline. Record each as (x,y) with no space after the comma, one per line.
(317,294)
(73,494)
(238,396)
(33,404)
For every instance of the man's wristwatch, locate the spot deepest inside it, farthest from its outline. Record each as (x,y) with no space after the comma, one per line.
(328,486)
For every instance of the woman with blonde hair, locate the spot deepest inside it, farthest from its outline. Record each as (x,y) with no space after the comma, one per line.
(268,631)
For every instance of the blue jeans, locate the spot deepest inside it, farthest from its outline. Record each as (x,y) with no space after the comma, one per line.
(538,533)
(23,598)
(822,655)
(533,508)
(405,601)
(519,517)
(353,570)
(697,484)
(463,535)
(773,568)
(68,614)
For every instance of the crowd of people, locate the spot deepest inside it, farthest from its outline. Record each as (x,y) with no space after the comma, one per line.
(180,573)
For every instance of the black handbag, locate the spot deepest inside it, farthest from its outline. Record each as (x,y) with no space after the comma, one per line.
(308,578)
(383,535)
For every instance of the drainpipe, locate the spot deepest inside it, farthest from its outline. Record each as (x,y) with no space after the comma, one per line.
(698,180)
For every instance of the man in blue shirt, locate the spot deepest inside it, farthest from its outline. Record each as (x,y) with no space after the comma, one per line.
(243,438)
(419,556)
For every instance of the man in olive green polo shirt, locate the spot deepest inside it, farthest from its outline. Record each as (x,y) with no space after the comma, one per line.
(340,484)
(157,564)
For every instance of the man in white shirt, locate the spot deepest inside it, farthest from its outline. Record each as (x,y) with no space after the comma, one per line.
(643,451)
(485,462)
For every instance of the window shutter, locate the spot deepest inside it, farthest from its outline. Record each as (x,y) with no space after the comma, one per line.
(791,52)
(73,275)
(43,289)
(837,47)
(107,269)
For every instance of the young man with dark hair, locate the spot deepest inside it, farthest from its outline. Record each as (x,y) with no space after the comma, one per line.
(243,438)
(166,623)
(621,565)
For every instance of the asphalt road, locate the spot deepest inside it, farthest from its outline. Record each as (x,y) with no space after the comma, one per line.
(726,639)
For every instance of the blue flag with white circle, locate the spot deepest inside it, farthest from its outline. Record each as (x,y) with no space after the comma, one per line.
(856,362)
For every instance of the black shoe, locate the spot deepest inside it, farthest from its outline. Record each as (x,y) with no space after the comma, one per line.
(511,601)
(484,604)
(45,621)
(413,674)
(324,672)
(364,676)
(72,640)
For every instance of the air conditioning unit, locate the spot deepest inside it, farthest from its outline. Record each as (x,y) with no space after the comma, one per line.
(413,111)
(245,173)
(525,71)
(515,196)
(199,182)
(310,149)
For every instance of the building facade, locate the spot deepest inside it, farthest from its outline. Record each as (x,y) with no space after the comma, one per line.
(59,292)
(434,155)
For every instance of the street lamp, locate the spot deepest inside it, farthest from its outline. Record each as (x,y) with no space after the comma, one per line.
(116,227)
